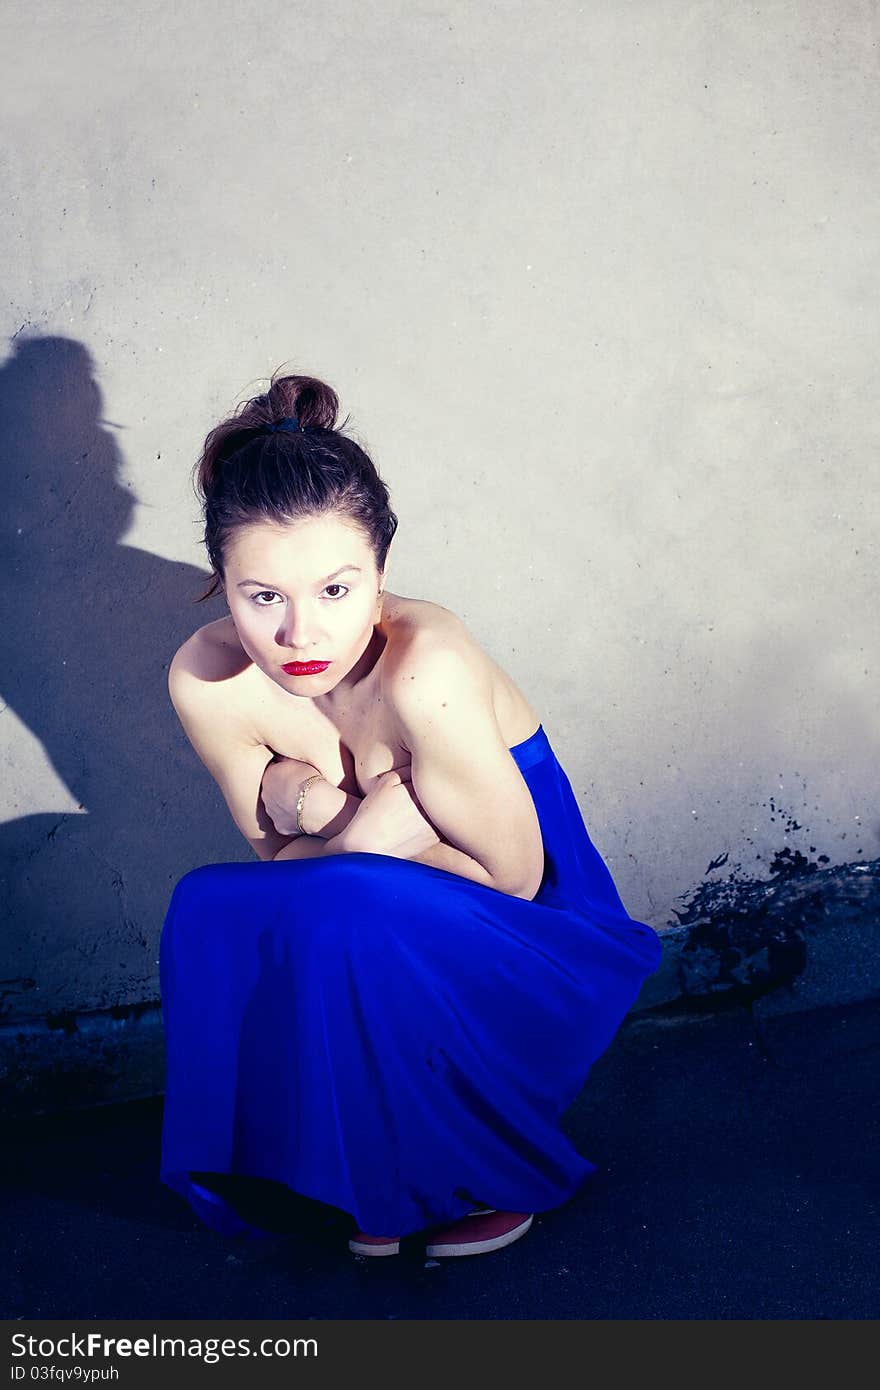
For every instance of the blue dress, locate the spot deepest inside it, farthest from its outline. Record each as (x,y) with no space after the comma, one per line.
(388,1037)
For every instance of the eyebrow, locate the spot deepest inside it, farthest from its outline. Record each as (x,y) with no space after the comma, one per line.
(241,584)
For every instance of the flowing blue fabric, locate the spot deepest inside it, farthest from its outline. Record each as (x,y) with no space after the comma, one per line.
(388,1037)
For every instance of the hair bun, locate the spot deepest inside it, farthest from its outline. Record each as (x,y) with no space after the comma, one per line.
(310,402)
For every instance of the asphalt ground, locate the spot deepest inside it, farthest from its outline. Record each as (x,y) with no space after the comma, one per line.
(738,1178)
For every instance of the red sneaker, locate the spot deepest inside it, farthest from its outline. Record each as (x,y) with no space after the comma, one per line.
(362,1244)
(478,1233)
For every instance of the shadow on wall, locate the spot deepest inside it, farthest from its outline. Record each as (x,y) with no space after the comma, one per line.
(89,626)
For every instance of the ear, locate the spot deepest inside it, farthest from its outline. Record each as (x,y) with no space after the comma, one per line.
(384,571)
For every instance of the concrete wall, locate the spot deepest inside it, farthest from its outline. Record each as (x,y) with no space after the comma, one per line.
(598,286)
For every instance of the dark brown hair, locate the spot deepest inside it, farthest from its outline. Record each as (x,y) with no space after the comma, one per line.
(247,473)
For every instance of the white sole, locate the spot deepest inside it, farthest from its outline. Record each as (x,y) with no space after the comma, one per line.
(480,1247)
(360,1248)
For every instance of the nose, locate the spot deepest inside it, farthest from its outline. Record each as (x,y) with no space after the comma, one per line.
(298,632)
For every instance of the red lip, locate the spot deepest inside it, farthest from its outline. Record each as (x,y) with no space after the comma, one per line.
(305,668)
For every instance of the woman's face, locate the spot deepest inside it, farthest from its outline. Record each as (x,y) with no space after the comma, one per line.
(305,591)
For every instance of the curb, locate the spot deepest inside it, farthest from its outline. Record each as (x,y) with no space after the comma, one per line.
(806,938)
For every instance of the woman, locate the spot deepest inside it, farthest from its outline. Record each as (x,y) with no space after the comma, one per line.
(396,1026)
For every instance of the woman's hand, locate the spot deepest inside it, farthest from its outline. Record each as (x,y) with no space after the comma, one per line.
(389,821)
(282,781)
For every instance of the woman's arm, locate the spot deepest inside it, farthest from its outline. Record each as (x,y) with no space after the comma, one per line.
(327,810)
(440,856)
(446,856)
(310,847)
(390,821)
(221,737)
(465,780)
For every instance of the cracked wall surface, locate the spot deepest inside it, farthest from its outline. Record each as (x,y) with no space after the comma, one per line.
(600,295)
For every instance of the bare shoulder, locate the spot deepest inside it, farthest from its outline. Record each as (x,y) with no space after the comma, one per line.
(422,628)
(431,642)
(212,653)
(206,672)
(434,646)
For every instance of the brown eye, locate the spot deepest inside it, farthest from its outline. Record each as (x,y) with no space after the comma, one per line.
(338,586)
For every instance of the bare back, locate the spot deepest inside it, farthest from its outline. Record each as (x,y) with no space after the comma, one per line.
(361,741)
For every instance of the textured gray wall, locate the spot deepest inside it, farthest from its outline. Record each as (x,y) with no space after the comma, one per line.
(598,285)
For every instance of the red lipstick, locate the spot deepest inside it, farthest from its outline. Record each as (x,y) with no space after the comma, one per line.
(305,668)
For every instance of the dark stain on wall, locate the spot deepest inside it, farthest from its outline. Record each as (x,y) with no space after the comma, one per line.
(747,937)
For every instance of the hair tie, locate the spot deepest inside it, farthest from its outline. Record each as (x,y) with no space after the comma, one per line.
(290,422)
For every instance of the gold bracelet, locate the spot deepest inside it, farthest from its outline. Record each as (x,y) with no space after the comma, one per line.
(315,777)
